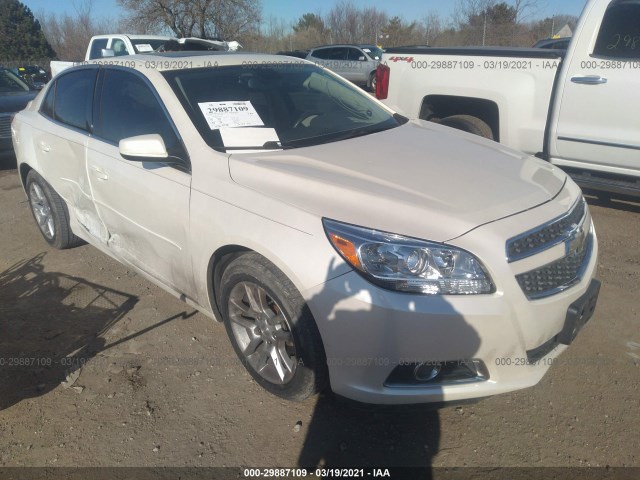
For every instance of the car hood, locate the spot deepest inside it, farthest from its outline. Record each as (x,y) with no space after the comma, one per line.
(420,179)
(14,102)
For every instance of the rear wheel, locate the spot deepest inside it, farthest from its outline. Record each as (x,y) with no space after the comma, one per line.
(50,213)
(271,329)
(468,123)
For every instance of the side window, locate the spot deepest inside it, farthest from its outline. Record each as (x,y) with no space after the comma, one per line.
(74,98)
(338,53)
(118,47)
(46,107)
(355,54)
(96,48)
(321,53)
(619,35)
(128,108)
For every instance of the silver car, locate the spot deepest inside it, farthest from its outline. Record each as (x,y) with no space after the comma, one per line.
(356,63)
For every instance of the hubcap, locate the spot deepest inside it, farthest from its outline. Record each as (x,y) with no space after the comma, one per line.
(41,210)
(262,332)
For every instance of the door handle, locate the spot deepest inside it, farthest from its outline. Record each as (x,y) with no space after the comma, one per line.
(589,79)
(44,147)
(99,173)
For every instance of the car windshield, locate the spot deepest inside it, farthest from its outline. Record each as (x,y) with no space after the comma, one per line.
(373,52)
(275,105)
(11,83)
(146,45)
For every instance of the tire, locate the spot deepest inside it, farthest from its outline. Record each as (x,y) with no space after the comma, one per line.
(50,213)
(470,124)
(371,84)
(265,316)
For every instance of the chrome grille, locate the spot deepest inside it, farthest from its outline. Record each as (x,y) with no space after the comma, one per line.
(5,125)
(556,276)
(545,236)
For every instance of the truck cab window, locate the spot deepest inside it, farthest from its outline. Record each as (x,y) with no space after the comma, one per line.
(619,35)
(96,48)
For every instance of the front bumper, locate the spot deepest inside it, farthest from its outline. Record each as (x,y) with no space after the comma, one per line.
(368,332)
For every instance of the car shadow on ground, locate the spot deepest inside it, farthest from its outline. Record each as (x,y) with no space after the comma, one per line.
(51,325)
(343,433)
(347,434)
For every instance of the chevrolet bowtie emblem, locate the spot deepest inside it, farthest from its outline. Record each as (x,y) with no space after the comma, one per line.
(577,239)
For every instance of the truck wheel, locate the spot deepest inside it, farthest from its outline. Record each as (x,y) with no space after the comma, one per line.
(271,329)
(371,84)
(470,124)
(50,213)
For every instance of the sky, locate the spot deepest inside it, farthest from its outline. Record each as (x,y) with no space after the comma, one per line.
(291,10)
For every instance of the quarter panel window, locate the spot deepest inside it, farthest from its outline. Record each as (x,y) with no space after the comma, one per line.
(128,107)
(619,35)
(74,98)
(46,108)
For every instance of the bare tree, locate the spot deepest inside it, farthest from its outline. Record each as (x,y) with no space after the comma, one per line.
(432,26)
(526,9)
(229,19)
(69,34)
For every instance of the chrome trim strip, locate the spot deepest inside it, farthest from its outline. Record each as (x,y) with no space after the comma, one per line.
(546,246)
(603,144)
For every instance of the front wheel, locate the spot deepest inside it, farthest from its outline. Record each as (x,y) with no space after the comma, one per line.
(468,123)
(271,329)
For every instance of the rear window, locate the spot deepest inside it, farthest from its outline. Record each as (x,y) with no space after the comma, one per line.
(275,106)
(619,35)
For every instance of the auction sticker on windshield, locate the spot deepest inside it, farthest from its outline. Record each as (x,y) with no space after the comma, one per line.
(230,114)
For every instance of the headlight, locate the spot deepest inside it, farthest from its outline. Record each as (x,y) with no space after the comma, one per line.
(407,264)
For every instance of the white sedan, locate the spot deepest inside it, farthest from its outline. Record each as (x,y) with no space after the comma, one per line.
(342,245)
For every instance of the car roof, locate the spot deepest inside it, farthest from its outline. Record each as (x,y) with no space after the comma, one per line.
(360,45)
(137,37)
(166,61)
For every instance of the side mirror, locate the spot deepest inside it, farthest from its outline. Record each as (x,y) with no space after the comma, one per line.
(362,58)
(144,148)
(107,52)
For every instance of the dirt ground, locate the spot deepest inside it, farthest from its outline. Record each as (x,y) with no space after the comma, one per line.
(155,383)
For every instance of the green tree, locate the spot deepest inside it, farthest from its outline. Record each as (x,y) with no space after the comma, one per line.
(309,21)
(499,14)
(21,37)
(396,32)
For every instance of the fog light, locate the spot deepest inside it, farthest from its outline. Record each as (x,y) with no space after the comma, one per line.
(425,372)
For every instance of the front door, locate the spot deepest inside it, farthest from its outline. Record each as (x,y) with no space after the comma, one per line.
(597,120)
(145,205)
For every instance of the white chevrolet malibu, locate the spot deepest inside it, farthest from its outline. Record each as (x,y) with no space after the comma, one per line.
(341,244)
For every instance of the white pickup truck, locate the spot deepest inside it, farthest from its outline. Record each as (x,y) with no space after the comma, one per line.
(578,109)
(116,45)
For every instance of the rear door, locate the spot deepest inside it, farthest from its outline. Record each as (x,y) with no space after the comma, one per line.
(596,116)
(145,205)
(61,135)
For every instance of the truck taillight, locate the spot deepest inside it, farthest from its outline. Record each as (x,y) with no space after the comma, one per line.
(383,73)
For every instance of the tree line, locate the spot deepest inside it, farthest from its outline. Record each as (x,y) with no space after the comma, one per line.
(25,35)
